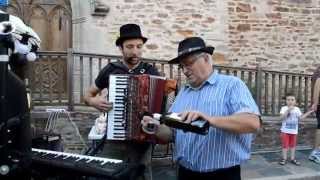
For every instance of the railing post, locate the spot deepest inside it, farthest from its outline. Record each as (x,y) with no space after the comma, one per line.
(70,64)
(170,71)
(259,86)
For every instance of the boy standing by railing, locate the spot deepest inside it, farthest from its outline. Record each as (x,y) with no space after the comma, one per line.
(290,116)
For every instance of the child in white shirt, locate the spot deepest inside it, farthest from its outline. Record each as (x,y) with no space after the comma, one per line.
(290,116)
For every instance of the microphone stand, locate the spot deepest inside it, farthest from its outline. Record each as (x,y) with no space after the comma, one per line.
(4,58)
(15,134)
(3,99)
(4,140)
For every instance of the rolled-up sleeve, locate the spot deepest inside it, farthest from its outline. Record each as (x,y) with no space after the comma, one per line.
(241,99)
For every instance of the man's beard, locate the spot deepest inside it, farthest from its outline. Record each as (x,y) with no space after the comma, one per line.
(132,60)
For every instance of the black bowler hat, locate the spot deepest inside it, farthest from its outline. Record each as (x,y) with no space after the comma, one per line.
(130,31)
(189,46)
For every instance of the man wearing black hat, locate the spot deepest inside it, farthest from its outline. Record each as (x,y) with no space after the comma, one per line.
(130,44)
(225,102)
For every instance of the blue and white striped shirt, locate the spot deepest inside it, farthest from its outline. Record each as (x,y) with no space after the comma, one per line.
(220,95)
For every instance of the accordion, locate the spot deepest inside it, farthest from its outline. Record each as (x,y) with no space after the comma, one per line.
(132,96)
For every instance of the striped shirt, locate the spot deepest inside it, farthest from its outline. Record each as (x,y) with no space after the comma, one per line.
(220,95)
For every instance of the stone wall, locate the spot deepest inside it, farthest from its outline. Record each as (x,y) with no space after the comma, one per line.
(267,139)
(279,34)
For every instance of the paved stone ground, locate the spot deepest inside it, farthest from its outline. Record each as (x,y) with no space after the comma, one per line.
(262,166)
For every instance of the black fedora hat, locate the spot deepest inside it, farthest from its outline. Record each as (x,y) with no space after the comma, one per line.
(189,46)
(130,31)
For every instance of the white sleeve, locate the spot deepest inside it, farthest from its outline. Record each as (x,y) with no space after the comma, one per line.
(299,112)
(283,109)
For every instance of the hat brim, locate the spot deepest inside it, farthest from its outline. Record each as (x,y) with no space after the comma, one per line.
(120,40)
(177,60)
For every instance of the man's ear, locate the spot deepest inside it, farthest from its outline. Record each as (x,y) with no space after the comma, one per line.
(206,57)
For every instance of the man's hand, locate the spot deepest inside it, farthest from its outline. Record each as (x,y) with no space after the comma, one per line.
(100,103)
(189,116)
(92,98)
(236,123)
(162,132)
(150,125)
(145,120)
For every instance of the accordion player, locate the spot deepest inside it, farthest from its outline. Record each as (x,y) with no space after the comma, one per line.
(133,95)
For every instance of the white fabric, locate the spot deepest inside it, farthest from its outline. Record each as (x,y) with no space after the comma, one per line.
(290,123)
(21,28)
(101,124)
(21,48)
(31,56)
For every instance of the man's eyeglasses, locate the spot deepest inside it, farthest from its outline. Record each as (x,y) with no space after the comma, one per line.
(188,63)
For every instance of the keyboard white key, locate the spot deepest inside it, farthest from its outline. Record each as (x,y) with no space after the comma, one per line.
(117,93)
(80,157)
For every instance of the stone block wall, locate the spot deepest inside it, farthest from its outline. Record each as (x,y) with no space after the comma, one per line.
(278,34)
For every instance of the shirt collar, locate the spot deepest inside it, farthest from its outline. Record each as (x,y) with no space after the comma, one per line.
(213,78)
(133,68)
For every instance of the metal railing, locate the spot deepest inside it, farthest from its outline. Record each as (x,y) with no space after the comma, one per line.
(70,74)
